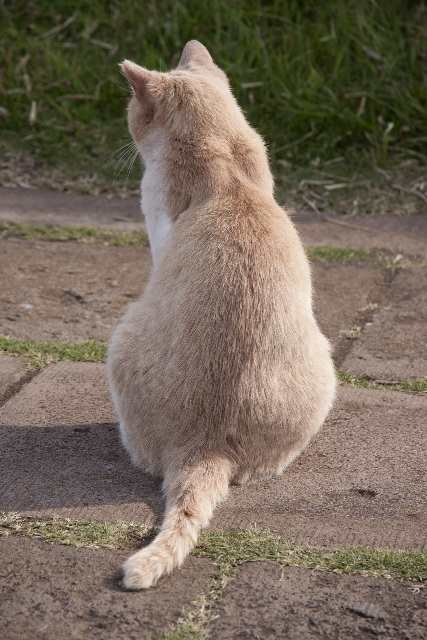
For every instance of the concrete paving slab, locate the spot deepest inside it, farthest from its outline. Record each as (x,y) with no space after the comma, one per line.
(267,601)
(341,292)
(56,592)
(65,393)
(13,374)
(61,452)
(80,472)
(392,234)
(360,481)
(56,208)
(394,345)
(67,291)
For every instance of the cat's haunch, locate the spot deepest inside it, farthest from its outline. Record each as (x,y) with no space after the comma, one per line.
(219,373)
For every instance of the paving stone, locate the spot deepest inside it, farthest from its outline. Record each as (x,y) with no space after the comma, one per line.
(56,592)
(13,373)
(80,472)
(67,291)
(65,393)
(341,291)
(267,601)
(394,345)
(360,481)
(44,206)
(392,234)
(61,452)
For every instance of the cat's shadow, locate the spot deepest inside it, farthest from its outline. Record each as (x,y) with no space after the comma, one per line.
(77,468)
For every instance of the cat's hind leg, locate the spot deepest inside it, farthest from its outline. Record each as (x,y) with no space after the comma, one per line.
(191,498)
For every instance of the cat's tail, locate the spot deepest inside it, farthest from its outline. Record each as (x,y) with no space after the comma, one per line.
(191,498)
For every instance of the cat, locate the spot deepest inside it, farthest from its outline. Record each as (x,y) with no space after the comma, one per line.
(219,373)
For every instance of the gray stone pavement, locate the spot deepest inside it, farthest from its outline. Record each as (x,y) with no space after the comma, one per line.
(67,291)
(56,592)
(13,374)
(392,346)
(267,601)
(55,208)
(361,481)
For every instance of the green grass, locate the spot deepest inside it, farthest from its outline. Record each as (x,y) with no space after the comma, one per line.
(365,382)
(338,254)
(76,533)
(231,549)
(228,550)
(78,234)
(337,89)
(39,354)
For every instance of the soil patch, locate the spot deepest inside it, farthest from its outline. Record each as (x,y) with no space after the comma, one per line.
(267,601)
(55,592)
(341,295)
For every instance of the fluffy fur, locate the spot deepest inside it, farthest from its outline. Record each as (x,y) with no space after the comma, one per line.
(219,373)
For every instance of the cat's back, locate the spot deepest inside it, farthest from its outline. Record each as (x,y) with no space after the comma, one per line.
(240,242)
(231,291)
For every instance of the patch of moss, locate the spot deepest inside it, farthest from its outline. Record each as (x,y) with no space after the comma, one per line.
(77,234)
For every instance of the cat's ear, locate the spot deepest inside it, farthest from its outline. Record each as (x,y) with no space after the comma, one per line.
(195,52)
(147,85)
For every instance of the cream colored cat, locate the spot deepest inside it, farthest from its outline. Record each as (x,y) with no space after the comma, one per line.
(219,373)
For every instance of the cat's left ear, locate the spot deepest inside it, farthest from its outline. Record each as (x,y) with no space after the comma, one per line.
(195,57)
(148,85)
(195,52)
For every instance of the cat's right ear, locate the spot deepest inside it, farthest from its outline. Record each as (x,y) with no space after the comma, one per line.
(147,85)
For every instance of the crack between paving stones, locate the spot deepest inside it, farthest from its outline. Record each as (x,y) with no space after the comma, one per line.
(15,388)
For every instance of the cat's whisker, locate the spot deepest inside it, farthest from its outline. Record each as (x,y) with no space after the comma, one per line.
(124,156)
(135,155)
(111,158)
(124,161)
(123,88)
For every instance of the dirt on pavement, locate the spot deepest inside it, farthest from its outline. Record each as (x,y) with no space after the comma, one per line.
(392,345)
(268,601)
(55,592)
(67,291)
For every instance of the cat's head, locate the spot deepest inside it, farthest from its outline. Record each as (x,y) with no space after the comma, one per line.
(193,109)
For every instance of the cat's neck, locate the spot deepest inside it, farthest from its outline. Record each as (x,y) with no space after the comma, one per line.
(183,172)
(154,195)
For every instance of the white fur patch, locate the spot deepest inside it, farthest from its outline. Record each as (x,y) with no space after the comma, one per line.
(154,197)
